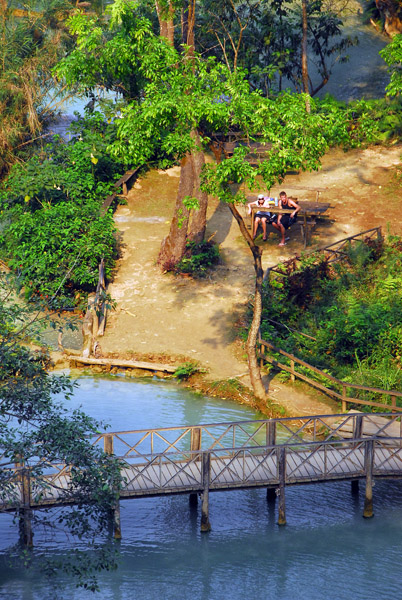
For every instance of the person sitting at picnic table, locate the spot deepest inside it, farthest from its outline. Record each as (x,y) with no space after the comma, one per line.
(261,216)
(283,222)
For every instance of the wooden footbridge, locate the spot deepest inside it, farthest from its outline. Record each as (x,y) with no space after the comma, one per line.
(196,460)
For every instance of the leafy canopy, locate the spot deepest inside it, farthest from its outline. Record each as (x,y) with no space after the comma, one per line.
(392,54)
(37,429)
(180,95)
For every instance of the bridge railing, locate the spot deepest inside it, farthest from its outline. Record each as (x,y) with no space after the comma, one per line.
(231,468)
(176,454)
(257,433)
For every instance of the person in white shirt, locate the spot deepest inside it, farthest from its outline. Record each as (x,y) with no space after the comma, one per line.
(261,216)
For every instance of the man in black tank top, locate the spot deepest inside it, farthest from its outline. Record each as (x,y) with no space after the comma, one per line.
(283,222)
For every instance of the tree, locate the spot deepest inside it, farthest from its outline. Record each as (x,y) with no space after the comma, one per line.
(29,96)
(37,430)
(392,54)
(271,39)
(182,96)
(57,232)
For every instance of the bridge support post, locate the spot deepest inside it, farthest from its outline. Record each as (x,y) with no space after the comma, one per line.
(271,495)
(358,427)
(206,473)
(115,522)
(355,487)
(195,444)
(281,458)
(368,467)
(193,499)
(25,511)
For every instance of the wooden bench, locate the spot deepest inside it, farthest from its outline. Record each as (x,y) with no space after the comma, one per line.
(306,228)
(308,215)
(123,181)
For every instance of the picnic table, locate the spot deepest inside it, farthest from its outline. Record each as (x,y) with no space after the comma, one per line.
(310,211)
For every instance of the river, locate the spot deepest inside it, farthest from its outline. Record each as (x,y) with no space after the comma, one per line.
(327,550)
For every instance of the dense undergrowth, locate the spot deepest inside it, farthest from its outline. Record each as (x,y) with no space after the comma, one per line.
(198,259)
(53,232)
(344,318)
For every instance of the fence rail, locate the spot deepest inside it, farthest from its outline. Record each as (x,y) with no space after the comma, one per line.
(333,252)
(341,395)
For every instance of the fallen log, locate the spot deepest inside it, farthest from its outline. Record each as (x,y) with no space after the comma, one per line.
(128,364)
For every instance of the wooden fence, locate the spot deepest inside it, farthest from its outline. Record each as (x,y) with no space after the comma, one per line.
(333,252)
(328,384)
(336,388)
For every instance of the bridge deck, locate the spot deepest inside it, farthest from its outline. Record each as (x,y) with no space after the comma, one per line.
(242,468)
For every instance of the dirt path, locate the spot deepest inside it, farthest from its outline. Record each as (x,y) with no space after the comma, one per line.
(164,314)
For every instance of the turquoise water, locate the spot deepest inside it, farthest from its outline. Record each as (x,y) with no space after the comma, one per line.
(327,550)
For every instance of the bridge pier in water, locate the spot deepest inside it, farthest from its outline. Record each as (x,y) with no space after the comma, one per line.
(25,511)
(281,457)
(354,487)
(368,467)
(193,500)
(115,522)
(206,474)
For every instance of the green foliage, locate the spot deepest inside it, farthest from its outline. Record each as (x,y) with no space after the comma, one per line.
(198,258)
(392,54)
(186,370)
(29,95)
(264,39)
(37,426)
(54,234)
(350,313)
(181,95)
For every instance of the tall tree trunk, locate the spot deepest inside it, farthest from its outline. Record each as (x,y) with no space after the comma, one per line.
(391,11)
(174,244)
(304,54)
(255,373)
(166,20)
(199,217)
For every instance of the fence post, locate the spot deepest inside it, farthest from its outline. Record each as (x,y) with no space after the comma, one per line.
(393,403)
(271,433)
(195,444)
(292,370)
(358,427)
(25,511)
(262,352)
(115,521)
(344,407)
(271,441)
(281,458)
(368,468)
(206,474)
(379,234)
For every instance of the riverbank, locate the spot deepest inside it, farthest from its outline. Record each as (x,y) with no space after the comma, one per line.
(166,315)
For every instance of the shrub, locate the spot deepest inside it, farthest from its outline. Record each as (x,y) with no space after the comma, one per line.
(344,318)
(53,231)
(187,369)
(198,258)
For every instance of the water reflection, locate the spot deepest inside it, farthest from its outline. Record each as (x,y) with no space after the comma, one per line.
(327,550)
